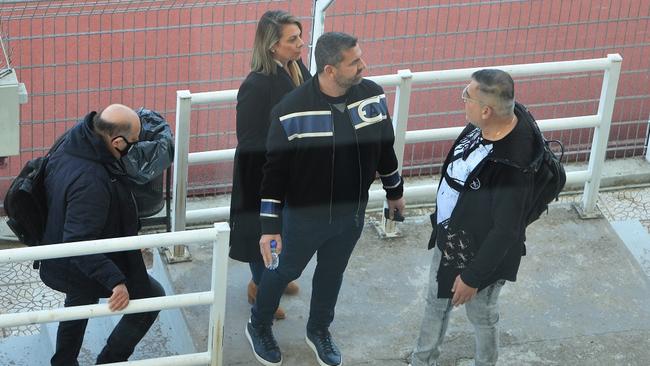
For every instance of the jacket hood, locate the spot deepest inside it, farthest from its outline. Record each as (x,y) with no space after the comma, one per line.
(84,143)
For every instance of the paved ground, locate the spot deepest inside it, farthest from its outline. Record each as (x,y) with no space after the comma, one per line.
(581,299)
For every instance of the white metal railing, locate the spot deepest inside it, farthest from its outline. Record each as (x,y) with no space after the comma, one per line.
(216,297)
(647,142)
(403,80)
(317,29)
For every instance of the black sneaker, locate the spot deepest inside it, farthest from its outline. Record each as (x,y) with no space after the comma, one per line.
(265,348)
(320,341)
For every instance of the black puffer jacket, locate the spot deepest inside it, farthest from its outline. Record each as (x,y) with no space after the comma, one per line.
(301,148)
(86,201)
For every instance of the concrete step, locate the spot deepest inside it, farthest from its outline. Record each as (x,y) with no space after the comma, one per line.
(25,350)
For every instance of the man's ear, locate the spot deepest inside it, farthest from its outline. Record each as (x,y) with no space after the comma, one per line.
(114,141)
(329,70)
(486,112)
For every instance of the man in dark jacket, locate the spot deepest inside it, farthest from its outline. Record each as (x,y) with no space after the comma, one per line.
(88,199)
(480,219)
(327,140)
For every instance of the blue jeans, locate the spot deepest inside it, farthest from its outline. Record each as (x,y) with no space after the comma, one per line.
(302,237)
(482,312)
(119,345)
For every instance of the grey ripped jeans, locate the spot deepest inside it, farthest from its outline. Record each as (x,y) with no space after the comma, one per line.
(482,312)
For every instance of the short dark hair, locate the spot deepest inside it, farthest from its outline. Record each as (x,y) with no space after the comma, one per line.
(329,48)
(109,128)
(499,85)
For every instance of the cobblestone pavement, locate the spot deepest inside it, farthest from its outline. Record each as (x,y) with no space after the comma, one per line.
(21,289)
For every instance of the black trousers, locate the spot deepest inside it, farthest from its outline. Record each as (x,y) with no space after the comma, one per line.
(302,237)
(119,345)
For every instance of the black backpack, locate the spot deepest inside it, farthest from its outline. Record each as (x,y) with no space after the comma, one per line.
(549,176)
(25,202)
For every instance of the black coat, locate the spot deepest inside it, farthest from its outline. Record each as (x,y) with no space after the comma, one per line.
(492,215)
(87,201)
(256,96)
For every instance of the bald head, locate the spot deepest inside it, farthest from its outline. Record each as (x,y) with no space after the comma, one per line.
(119,125)
(121,114)
(115,120)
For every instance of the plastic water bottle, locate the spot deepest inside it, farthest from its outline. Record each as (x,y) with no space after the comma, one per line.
(275,260)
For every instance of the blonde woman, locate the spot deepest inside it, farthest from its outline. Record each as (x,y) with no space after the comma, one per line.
(276,69)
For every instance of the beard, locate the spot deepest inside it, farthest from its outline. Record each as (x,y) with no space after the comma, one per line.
(347,83)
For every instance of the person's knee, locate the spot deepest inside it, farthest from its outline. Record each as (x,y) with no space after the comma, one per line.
(331,268)
(487,316)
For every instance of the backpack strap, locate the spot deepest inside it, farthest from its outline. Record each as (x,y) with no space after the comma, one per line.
(538,133)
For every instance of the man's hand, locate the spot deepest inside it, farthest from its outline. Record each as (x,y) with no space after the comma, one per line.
(120,298)
(396,205)
(462,292)
(265,246)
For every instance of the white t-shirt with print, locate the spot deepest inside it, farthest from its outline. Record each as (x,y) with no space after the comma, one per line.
(468,154)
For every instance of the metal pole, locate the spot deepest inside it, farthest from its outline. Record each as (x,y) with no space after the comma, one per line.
(5,53)
(601,136)
(401,113)
(317,30)
(219,286)
(647,142)
(93,311)
(181,151)
(388,228)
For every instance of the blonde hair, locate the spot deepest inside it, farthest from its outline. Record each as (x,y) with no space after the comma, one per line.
(268,33)
(295,73)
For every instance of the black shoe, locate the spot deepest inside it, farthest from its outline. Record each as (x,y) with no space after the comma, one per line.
(320,341)
(265,348)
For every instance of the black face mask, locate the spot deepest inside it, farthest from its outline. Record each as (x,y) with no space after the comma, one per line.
(128,147)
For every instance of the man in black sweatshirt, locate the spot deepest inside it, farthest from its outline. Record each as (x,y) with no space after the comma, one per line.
(327,140)
(480,220)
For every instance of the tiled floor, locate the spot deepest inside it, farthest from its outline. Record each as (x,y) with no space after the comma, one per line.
(21,289)
(619,205)
(629,204)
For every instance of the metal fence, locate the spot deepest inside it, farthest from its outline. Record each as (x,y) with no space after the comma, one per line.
(440,35)
(215,297)
(76,56)
(599,125)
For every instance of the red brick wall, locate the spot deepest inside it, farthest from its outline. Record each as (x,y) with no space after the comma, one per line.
(79,56)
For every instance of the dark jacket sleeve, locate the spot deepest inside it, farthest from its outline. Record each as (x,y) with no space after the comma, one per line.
(87,207)
(507,208)
(253,112)
(276,176)
(388,165)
